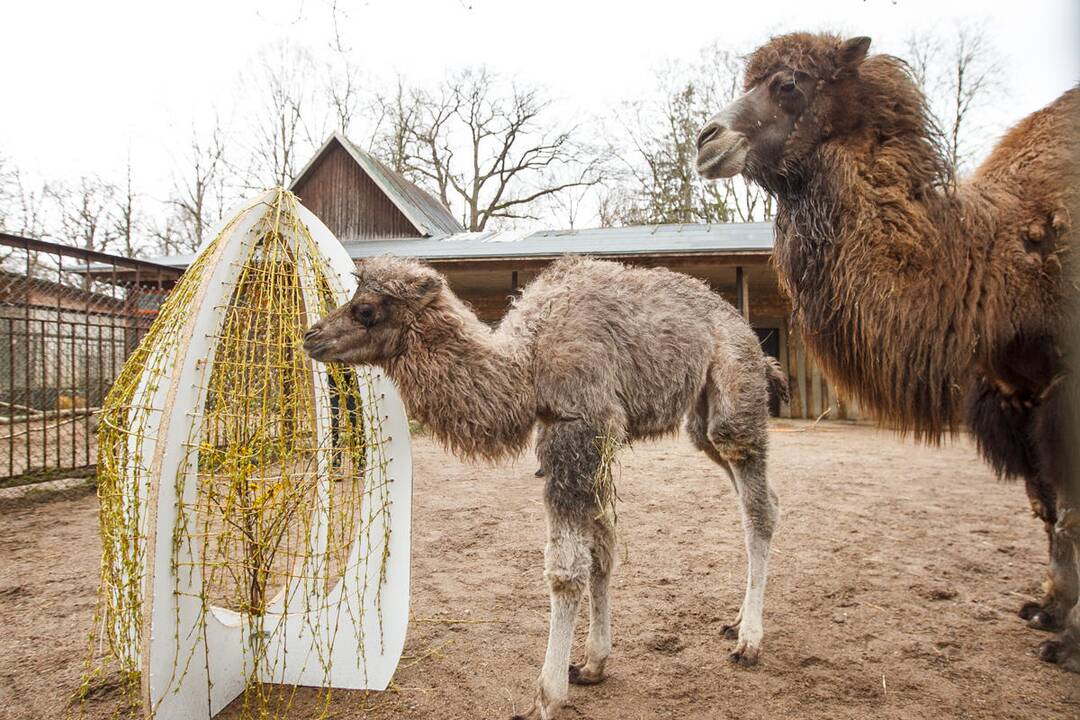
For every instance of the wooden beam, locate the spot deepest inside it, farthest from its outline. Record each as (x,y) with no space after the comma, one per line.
(674,261)
(785,407)
(742,292)
(817,401)
(801,383)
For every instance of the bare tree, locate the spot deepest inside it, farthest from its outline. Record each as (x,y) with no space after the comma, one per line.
(198,194)
(8,197)
(84,213)
(484,147)
(396,116)
(7,192)
(343,89)
(127,218)
(660,150)
(569,206)
(85,220)
(961,75)
(23,208)
(289,121)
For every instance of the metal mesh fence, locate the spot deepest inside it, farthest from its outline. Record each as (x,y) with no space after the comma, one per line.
(68,320)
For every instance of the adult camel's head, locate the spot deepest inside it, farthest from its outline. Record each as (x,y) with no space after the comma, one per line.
(799,91)
(373,326)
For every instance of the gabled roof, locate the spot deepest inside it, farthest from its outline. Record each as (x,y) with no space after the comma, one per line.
(426,214)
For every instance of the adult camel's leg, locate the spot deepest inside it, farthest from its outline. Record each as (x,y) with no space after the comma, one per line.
(1009,439)
(1058,428)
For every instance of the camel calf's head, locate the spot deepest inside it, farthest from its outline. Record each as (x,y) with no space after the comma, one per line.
(391,294)
(797,91)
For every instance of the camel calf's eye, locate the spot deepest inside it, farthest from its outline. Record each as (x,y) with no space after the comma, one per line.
(364,314)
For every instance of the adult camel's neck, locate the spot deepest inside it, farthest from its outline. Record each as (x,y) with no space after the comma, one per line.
(471,386)
(873,250)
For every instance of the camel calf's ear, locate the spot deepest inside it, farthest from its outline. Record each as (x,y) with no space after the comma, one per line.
(429,285)
(853,51)
(425,288)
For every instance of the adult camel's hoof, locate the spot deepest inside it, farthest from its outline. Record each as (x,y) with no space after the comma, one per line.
(580,676)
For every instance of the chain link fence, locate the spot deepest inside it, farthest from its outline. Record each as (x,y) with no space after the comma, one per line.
(68,320)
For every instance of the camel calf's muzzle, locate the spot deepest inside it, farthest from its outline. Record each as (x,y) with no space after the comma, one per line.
(315,344)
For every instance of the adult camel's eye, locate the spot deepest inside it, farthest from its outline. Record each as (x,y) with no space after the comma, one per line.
(788,86)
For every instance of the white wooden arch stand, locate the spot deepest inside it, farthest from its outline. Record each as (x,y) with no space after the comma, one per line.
(193,663)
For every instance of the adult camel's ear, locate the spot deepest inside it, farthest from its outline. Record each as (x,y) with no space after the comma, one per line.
(852,52)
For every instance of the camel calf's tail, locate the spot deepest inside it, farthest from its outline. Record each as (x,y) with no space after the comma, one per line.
(778,382)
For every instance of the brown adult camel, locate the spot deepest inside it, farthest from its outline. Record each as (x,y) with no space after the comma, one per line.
(931,301)
(600,354)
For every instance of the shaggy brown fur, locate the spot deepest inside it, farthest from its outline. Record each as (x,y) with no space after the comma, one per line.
(930,301)
(601,354)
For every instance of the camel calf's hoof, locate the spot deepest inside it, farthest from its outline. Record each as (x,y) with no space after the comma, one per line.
(543,708)
(731,632)
(580,676)
(745,655)
(1044,620)
(1063,654)
(1028,609)
(1040,617)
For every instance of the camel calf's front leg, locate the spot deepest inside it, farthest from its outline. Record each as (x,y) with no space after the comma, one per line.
(577,552)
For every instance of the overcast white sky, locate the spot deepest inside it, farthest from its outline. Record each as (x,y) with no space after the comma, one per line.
(85,83)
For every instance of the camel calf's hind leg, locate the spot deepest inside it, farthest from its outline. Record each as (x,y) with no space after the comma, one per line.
(598,644)
(735,436)
(760,512)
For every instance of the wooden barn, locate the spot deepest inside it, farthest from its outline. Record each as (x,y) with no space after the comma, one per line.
(374,210)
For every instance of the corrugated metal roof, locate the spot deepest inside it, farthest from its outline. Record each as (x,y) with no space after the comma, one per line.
(722,238)
(634,240)
(427,214)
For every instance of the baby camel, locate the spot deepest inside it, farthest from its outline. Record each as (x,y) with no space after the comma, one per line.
(601,354)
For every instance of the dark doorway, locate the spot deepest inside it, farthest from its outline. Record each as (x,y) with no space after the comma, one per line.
(770,343)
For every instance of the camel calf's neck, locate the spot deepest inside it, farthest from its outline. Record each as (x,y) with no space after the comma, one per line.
(471,386)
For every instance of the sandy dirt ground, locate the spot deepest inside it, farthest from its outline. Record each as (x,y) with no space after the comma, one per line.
(892,594)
